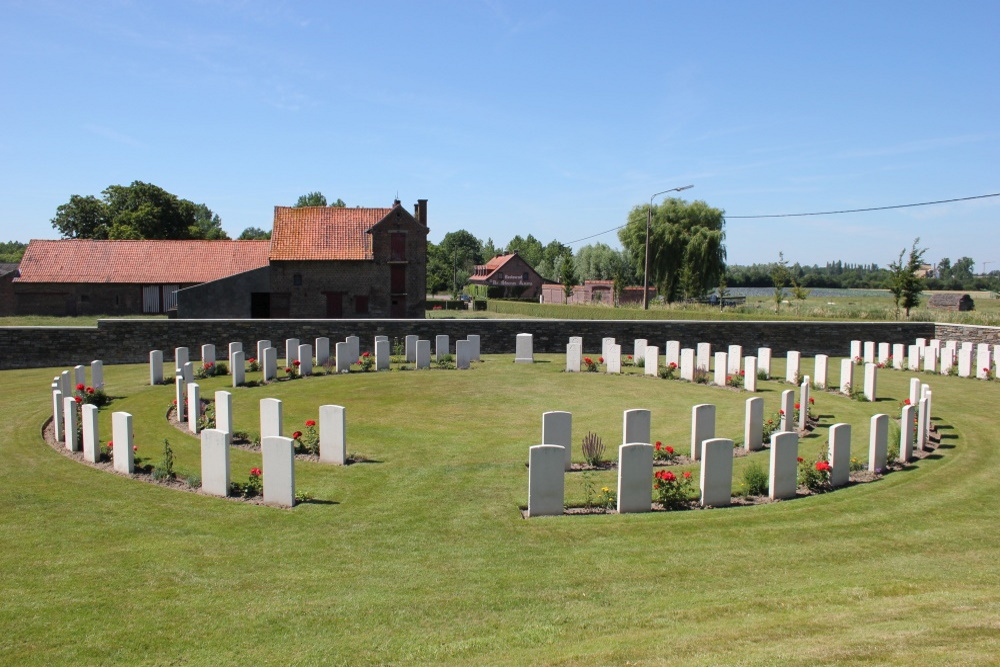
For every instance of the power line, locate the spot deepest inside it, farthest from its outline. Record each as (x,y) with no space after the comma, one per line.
(801,215)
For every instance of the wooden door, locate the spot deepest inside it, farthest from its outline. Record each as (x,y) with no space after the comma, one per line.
(334,305)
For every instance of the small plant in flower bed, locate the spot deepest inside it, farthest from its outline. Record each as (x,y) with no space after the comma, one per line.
(307,442)
(670,490)
(735,380)
(663,452)
(593,449)
(91,396)
(607,499)
(989,374)
(590,365)
(858,361)
(771,424)
(669,372)
(293,371)
(139,464)
(366,362)
(165,468)
(207,417)
(763,375)
(630,361)
(814,475)
(210,369)
(254,486)
(253,365)
(856,465)
(446,361)
(755,480)
(701,376)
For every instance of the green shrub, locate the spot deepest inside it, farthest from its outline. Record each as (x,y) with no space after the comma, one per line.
(755,479)
(593,449)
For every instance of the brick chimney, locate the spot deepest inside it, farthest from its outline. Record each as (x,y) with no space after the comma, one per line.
(420,211)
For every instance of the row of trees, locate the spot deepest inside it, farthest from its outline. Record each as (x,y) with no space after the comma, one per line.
(945,276)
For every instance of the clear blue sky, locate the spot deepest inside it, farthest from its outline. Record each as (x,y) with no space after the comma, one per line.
(548,118)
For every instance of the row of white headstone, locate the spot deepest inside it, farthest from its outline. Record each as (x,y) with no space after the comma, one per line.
(549,461)
(932,356)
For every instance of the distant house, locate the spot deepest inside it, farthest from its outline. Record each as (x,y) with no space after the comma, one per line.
(951,301)
(927,271)
(508,276)
(89,277)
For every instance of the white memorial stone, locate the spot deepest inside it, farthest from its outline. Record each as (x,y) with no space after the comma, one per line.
(983,365)
(322,351)
(261,346)
(423,358)
(930,360)
(787,410)
(546,480)
(235,347)
(947,360)
(735,357)
(913,358)
(333,434)
(66,383)
(269,363)
(238,368)
(79,375)
(557,429)
(613,362)
(721,368)
(636,426)
(305,356)
(687,364)
(605,344)
(194,407)
(410,348)
(639,350)
(965,363)
(922,423)
(792,366)
(898,354)
(651,362)
(155,367)
(524,352)
(224,414)
(383,356)
(821,369)
(869,354)
(475,353)
(208,354)
(188,371)
(97,374)
(343,352)
(441,347)
(783,479)
(180,358)
(270,417)
(57,414)
(855,349)
(871,371)
(291,351)
(214,462)
(804,404)
(180,398)
(278,463)
(846,376)
(750,373)
(91,435)
(354,346)
(716,472)
(574,358)
(906,429)
(635,476)
(753,424)
(878,442)
(702,427)
(70,436)
(673,354)
(121,435)
(840,454)
(884,353)
(764,361)
(703,357)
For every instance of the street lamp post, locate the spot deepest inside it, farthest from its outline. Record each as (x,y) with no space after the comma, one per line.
(649,223)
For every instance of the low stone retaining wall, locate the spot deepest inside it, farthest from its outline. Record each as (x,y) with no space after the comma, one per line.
(123,341)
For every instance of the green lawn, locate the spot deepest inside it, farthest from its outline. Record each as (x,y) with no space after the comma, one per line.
(424,557)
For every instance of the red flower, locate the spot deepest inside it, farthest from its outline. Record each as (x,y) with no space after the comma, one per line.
(208,364)
(79,399)
(670,450)
(600,360)
(251,360)
(255,472)
(296,435)
(799,459)
(175,401)
(90,390)
(310,422)
(79,387)
(812,401)
(110,444)
(135,448)
(673,365)
(296,363)
(658,445)
(687,475)
(781,411)
(588,360)
(629,356)
(359,362)
(288,369)
(729,378)
(822,466)
(365,354)
(770,421)
(743,373)
(669,476)
(906,402)
(796,406)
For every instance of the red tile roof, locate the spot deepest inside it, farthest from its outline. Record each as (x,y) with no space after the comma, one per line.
(486,271)
(324,233)
(163,262)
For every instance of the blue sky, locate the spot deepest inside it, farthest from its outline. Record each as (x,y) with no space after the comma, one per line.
(548,118)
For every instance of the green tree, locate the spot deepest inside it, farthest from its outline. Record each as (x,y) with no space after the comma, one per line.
(439,269)
(311,199)
(11,252)
(602,262)
(780,277)
(254,234)
(904,283)
(962,269)
(686,246)
(489,250)
(530,249)
(944,268)
(567,277)
(82,218)
(461,251)
(207,225)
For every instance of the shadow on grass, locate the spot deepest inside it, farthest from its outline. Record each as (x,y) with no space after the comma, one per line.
(316,501)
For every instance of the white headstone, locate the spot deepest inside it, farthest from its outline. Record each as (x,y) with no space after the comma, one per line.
(735,357)
(787,410)
(344,360)
(423,354)
(784,465)
(605,344)
(870,377)
(557,429)
(922,423)
(635,477)
(79,375)
(224,414)
(884,353)
(574,357)
(261,346)
(878,442)
(354,345)
(983,365)
(291,350)
(214,462)
(546,480)
(180,357)
(613,362)
(750,373)
(270,417)
(322,350)
(687,364)
(91,435)
(840,454)
(475,353)
(305,356)
(441,347)
(930,360)
(822,367)
(121,435)
(194,406)
(651,362)
(66,383)
(57,414)
(855,350)
(278,463)
(180,397)
(155,367)
(524,349)
(947,360)
(636,426)
(965,363)
(913,358)
(721,368)
(639,350)
(703,356)
(188,371)
(673,354)
(702,427)
(906,428)
(333,434)
(238,368)
(70,436)
(410,348)
(208,354)
(804,404)
(383,356)
(764,360)
(846,376)
(753,424)
(97,374)
(269,363)
(921,342)
(234,347)
(869,353)
(716,472)
(792,366)
(898,354)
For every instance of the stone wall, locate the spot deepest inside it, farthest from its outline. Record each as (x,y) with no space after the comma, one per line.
(129,341)
(967,332)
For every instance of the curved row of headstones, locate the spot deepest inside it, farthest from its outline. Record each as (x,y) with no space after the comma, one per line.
(932,356)
(549,461)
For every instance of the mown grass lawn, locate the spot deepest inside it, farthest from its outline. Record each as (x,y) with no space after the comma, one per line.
(424,557)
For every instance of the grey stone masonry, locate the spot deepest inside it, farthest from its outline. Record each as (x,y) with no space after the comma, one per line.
(784,465)
(753,424)
(878,443)
(270,417)
(214,462)
(636,426)
(155,367)
(702,427)
(91,434)
(557,429)
(278,463)
(224,414)
(635,477)
(716,472)
(840,454)
(546,480)
(121,436)
(333,434)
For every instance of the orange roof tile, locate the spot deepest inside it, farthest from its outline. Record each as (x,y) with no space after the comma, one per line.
(163,262)
(323,233)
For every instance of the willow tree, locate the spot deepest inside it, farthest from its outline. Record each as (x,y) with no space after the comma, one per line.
(687,252)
